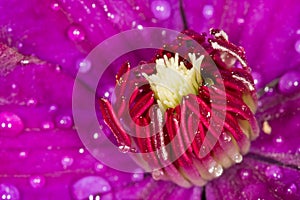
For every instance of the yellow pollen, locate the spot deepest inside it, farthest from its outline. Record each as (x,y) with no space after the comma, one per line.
(173,80)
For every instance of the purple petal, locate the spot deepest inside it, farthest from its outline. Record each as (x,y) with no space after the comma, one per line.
(266,29)
(254,179)
(64,32)
(279,118)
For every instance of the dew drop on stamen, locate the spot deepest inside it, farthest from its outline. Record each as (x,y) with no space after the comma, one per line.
(10,124)
(124,149)
(225,137)
(157,174)
(216,170)
(237,158)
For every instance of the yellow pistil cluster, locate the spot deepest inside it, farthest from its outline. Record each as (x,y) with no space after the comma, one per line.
(173,80)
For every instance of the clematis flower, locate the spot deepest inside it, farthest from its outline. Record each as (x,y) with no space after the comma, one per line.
(42,48)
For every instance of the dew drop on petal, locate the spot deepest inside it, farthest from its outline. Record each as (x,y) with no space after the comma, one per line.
(244,174)
(161,9)
(273,172)
(291,189)
(52,109)
(76,33)
(257,79)
(23,154)
(9,192)
(138,175)
(37,181)
(47,125)
(278,140)
(64,121)
(208,11)
(67,161)
(297,46)
(10,124)
(31,102)
(83,65)
(99,167)
(289,83)
(55,6)
(90,185)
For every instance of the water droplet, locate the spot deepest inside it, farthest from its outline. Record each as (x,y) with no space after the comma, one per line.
(14,88)
(208,11)
(64,121)
(291,189)
(24,61)
(245,174)
(81,150)
(67,161)
(90,185)
(124,149)
(37,181)
(23,154)
(216,170)
(161,9)
(237,158)
(96,136)
(55,6)
(83,65)
(10,124)
(278,140)
(138,175)
(157,174)
(297,46)
(47,125)
(99,167)
(52,109)
(273,172)
(289,83)
(31,102)
(257,79)
(240,20)
(225,137)
(9,192)
(76,33)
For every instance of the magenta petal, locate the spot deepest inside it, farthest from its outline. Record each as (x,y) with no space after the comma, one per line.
(283,119)
(266,29)
(254,179)
(64,32)
(151,189)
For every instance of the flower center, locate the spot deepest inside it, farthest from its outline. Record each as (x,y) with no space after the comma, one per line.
(192,130)
(173,80)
